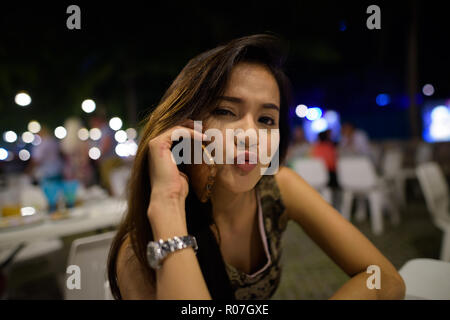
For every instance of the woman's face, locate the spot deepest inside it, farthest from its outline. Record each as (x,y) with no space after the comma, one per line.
(251,101)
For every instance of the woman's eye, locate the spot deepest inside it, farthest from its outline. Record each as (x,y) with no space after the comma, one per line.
(268,120)
(223,112)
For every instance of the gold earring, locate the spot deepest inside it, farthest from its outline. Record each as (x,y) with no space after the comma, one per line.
(212,174)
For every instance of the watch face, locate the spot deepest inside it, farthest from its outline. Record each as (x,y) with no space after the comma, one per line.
(153,254)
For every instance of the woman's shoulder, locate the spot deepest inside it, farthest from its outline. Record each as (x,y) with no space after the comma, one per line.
(269,185)
(271,199)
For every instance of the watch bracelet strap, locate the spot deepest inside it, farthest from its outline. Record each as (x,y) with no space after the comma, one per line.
(178,243)
(174,244)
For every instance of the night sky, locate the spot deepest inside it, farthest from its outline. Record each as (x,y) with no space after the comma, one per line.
(133,50)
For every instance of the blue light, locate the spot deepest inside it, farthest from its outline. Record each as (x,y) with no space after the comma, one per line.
(342,26)
(439,112)
(383,99)
(440,123)
(436,120)
(313,113)
(3,154)
(331,116)
(319,125)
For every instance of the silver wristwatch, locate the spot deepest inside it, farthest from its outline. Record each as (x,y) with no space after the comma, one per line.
(158,250)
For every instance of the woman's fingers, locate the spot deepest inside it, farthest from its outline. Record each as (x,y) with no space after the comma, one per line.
(188,123)
(164,142)
(184,176)
(184,131)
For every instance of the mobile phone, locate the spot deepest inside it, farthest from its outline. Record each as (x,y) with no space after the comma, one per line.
(181,166)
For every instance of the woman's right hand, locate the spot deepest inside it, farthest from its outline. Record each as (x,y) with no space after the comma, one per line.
(169,186)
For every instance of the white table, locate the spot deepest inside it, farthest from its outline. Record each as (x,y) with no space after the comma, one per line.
(99,214)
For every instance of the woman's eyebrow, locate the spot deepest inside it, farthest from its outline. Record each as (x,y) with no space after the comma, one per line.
(231,99)
(270,106)
(241,101)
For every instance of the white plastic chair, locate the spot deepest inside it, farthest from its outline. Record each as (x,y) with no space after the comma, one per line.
(435,190)
(424,153)
(376,153)
(90,254)
(314,172)
(357,177)
(426,279)
(392,169)
(108,293)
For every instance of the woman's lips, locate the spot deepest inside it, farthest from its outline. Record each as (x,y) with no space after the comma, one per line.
(248,165)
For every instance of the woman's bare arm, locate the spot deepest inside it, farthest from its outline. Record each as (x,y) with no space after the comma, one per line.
(342,241)
(180,276)
(131,277)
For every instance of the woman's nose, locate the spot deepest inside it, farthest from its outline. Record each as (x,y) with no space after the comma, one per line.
(248,135)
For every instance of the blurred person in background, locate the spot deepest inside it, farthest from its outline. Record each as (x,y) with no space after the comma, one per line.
(47,162)
(108,160)
(354,141)
(77,165)
(299,147)
(325,149)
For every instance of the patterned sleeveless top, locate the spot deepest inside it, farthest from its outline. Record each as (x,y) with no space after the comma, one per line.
(262,284)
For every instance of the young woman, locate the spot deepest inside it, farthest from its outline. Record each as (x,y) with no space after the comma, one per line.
(236,215)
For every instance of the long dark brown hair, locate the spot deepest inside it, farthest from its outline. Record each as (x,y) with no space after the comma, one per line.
(193,94)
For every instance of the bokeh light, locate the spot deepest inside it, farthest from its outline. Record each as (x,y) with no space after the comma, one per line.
(95,134)
(83,134)
(10,136)
(60,132)
(88,105)
(27,137)
(23,99)
(27,211)
(313,113)
(131,133)
(428,90)
(126,149)
(24,155)
(301,110)
(121,150)
(319,125)
(383,99)
(34,126)
(120,136)
(37,140)
(437,124)
(331,116)
(94,153)
(115,123)
(3,154)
